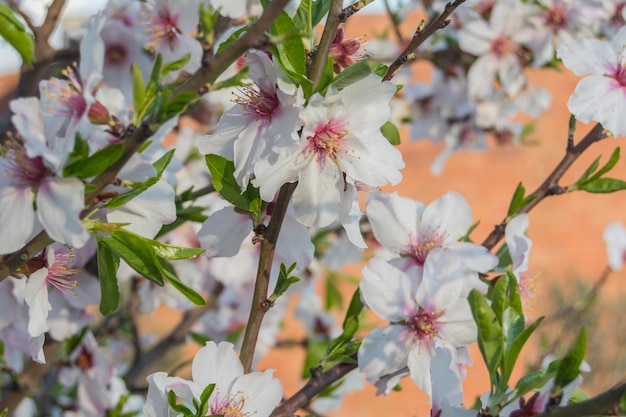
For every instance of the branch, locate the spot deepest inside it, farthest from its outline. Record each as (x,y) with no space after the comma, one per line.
(43,50)
(606,403)
(259,304)
(313,387)
(213,66)
(321,54)
(550,185)
(176,337)
(420,36)
(23,15)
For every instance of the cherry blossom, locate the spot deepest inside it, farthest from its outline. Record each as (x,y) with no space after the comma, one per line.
(235,393)
(341,145)
(599,96)
(615,238)
(424,314)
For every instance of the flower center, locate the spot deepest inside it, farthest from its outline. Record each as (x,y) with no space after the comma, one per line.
(619,73)
(163,29)
(60,275)
(328,140)
(259,103)
(229,406)
(419,248)
(556,17)
(64,97)
(503,46)
(424,324)
(115,54)
(25,171)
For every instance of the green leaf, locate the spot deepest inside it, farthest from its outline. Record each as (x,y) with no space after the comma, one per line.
(377,68)
(291,54)
(355,308)
(175,65)
(108,263)
(352,74)
(204,399)
(515,299)
(316,349)
(284,282)
(516,201)
(13,31)
(199,338)
(139,92)
(500,301)
(132,249)
(391,133)
(177,104)
(609,165)
(223,173)
(183,215)
(80,152)
(170,275)
(333,295)
(172,400)
(96,163)
(514,347)
(504,257)
(160,165)
(603,185)
(319,10)
(532,381)
(327,77)
(232,38)
(569,368)
(490,334)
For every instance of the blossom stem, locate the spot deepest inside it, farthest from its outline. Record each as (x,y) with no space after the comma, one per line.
(313,387)
(420,36)
(261,286)
(323,48)
(550,185)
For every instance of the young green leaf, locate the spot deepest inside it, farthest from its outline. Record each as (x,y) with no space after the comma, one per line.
(569,368)
(516,201)
(513,349)
(13,31)
(139,92)
(319,10)
(490,334)
(352,74)
(175,65)
(170,275)
(136,254)
(391,133)
(108,263)
(603,185)
(284,282)
(96,163)
(223,173)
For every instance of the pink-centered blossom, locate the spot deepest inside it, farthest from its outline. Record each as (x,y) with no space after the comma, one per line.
(263,121)
(424,315)
(601,95)
(341,147)
(235,394)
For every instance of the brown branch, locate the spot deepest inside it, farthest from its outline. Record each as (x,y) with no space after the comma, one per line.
(214,65)
(313,387)
(551,184)
(261,286)
(420,36)
(144,360)
(606,403)
(43,50)
(321,55)
(394,23)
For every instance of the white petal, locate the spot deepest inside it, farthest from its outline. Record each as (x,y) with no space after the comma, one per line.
(216,364)
(316,199)
(384,351)
(599,98)
(394,220)
(449,215)
(261,390)
(387,290)
(59,203)
(223,232)
(36,296)
(418,361)
(587,56)
(17,217)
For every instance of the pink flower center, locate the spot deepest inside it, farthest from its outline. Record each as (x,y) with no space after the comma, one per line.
(60,275)
(163,29)
(259,103)
(229,406)
(418,249)
(115,54)
(25,171)
(619,73)
(503,46)
(328,140)
(424,324)
(64,97)
(556,17)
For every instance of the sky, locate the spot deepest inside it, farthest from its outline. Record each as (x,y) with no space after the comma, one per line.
(11,61)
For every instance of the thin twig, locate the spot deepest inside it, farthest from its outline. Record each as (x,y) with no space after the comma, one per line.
(330,29)
(313,387)
(550,185)
(43,50)
(606,403)
(394,23)
(420,36)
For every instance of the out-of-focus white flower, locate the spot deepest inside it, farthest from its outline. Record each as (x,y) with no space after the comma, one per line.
(615,238)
